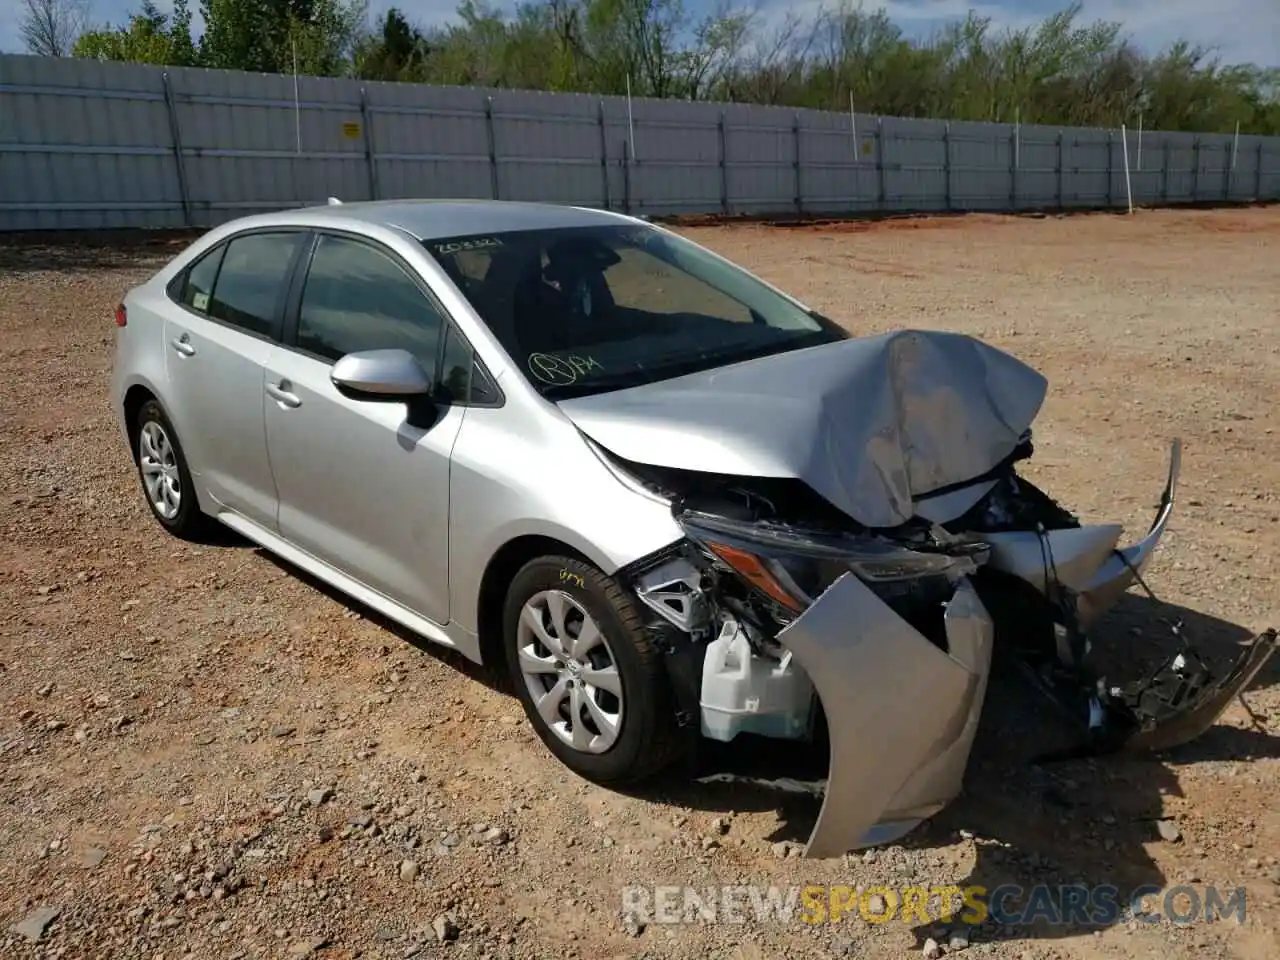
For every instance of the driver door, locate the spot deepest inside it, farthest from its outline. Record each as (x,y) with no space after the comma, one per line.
(360,488)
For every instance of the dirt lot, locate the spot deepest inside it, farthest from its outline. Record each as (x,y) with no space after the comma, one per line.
(205,754)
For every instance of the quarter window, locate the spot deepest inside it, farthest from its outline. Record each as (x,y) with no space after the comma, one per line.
(198,286)
(357,298)
(254,272)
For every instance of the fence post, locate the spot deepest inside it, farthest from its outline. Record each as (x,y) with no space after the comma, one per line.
(1257,174)
(946,163)
(178,158)
(1062,200)
(1111,167)
(1013,169)
(370,159)
(795,133)
(626,175)
(1164,172)
(724,166)
(604,158)
(1228,172)
(1195,174)
(881,198)
(493,147)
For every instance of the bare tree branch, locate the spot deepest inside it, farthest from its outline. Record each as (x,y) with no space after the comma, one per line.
(50,28)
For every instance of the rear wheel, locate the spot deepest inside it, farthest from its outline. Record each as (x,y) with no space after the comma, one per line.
(166,480)
(590,680)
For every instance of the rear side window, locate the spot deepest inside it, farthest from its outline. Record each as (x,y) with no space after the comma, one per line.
(251,281)
(196,286)
(357,298)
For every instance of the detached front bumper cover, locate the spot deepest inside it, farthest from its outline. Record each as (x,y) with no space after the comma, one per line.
(901,713)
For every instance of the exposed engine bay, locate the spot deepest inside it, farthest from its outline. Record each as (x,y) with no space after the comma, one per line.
(760,552)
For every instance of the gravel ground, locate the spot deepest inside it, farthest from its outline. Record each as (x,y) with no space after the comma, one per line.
(206,754)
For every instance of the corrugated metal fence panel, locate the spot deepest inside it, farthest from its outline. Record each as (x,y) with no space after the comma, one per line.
(548,147)
(429,141)
(981,159)
(914,157)
(838,163)
(761,166)
(86,144)
(677,159)
(250,146)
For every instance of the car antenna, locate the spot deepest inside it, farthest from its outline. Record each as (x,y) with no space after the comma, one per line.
(335,202)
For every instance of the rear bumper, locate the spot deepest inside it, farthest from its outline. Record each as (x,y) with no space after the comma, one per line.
(901,713)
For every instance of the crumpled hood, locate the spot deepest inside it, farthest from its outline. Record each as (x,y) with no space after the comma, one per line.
(870,423)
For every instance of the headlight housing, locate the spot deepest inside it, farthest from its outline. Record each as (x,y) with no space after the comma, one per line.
(792,567)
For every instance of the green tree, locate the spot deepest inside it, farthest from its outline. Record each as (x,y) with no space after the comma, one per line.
(271,36)
(1062,71)
(150,37)
(398,51)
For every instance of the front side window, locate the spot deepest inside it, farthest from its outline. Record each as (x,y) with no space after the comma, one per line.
(586,309)
(251,281)
(357,298)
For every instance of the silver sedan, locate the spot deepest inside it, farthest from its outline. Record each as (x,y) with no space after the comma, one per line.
(666,499)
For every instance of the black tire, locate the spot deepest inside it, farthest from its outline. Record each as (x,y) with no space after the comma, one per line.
(648,739)
(189,523)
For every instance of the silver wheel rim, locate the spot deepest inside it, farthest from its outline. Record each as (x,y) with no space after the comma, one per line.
(570,671)
(159,465)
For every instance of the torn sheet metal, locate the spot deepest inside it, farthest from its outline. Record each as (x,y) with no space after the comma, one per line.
(869,423)
(1085,559)
(901,713)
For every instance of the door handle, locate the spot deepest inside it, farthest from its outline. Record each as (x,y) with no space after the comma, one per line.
(281,393)
(183,346)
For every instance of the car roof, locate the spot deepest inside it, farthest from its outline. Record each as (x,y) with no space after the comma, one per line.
(432,219)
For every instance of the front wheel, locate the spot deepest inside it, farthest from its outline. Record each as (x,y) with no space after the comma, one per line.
(590,680)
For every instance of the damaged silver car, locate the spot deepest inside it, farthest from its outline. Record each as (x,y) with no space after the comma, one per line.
(670,501)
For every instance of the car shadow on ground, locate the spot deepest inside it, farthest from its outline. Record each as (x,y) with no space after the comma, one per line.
(1080,823)
(492,678)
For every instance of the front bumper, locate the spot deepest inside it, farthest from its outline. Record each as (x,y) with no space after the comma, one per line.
(901,713)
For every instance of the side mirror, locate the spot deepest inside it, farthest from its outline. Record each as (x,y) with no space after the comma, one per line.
(381,374)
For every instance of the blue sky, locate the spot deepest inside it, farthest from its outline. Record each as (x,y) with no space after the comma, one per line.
(1242,30)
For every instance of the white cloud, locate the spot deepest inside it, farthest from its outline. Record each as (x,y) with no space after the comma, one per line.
(1241,30)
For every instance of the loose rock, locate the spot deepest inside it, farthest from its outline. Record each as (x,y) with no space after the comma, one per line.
(445,929)
(34,924)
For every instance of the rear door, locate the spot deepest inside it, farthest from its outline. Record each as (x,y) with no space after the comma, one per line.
(361,488)
(218,336)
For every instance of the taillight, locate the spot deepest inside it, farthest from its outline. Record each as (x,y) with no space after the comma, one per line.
(122,315)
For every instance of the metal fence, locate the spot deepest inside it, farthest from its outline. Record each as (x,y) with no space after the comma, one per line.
(85,144)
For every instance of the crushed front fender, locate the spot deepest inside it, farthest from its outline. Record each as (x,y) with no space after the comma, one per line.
(901,712)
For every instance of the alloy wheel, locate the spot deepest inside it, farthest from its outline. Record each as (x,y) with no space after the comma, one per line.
(570,671)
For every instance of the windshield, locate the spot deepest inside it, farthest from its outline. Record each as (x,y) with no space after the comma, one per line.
(587,309)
